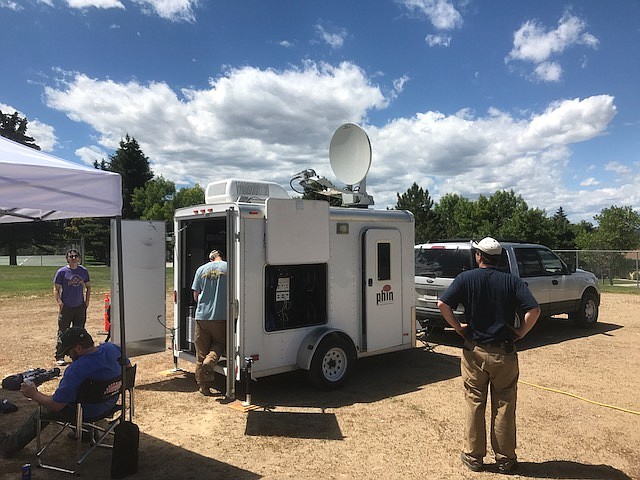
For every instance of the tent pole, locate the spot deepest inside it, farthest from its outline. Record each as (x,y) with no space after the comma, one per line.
(123,340)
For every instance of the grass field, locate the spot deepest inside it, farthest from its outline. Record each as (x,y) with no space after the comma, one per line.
(21,281)
(28,281)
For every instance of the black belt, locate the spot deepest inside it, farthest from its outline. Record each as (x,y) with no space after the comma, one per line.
(508,347)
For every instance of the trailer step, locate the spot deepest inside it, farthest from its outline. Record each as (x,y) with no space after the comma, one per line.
(221,366)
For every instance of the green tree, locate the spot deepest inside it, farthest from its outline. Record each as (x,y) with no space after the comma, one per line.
(417,201)
(96,234)
(14,128)
(618,229)
(133,166)
(25,237)
(528,225)
(456,215)
(154,201)
(564,234)
(185,197)
(494,214)
(158,200)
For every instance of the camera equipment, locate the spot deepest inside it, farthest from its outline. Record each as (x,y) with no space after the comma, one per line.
(36,376)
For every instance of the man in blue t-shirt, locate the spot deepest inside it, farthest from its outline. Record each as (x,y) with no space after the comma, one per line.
(210,294)
(89,362)
(491,299)
(72,292)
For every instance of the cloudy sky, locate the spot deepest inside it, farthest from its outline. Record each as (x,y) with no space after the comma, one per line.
(468,97)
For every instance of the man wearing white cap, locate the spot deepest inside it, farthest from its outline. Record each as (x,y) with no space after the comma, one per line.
(491,299)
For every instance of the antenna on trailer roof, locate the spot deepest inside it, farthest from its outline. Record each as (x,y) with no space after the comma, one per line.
(350,159)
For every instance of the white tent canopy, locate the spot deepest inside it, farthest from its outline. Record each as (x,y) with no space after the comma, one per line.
(38,186)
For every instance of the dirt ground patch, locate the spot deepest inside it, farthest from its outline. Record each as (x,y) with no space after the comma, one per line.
(399,417)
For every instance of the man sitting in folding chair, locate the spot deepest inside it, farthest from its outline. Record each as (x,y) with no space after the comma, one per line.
(89,362)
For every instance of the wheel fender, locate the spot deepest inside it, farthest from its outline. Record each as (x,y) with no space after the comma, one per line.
(310,344)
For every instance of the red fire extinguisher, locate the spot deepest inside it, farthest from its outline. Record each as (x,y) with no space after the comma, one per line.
(107,312)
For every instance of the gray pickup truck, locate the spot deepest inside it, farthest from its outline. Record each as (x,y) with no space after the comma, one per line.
(559,289)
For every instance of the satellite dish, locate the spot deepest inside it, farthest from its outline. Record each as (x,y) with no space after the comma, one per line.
(350,153)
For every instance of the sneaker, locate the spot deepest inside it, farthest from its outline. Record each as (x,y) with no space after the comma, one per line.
(205,391)
(471,463)
(61,362)
(508,467)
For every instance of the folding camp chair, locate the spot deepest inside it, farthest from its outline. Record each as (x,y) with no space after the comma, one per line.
(99,428)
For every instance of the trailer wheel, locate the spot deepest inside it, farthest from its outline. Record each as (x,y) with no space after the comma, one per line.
(587,316)
(332,363)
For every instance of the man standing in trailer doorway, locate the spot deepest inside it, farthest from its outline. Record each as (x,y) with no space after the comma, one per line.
(210,293)
(72,292)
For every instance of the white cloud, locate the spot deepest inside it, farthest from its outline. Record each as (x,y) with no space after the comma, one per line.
(533,43)
(398,84)
(438,40)
(92,154)
(334,39)
(441,13)
(174,10)
(249,122)
(11,5)
(617,168)
(270,124)
(548,71)
(95,3)
(589,182)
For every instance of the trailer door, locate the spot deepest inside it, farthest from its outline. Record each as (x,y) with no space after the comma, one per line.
(143,267)
(382,269)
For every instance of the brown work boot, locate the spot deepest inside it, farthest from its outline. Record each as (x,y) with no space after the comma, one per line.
(472,463)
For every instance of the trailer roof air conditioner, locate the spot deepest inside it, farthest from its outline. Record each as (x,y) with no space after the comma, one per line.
(234,190)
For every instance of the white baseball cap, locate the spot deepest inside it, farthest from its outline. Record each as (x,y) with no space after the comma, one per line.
(488,245)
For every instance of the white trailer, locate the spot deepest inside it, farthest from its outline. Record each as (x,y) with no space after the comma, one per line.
(309,286)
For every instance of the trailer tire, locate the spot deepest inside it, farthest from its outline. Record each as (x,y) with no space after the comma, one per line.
(332,363)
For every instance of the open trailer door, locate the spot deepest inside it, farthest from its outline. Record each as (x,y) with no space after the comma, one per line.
(144,267)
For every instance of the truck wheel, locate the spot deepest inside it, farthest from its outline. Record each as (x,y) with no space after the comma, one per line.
(332,363)
(587,316)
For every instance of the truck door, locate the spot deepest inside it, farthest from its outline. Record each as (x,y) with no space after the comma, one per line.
(532,271)
(382,270)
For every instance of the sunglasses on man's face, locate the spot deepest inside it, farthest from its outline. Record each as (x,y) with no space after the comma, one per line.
(74,256)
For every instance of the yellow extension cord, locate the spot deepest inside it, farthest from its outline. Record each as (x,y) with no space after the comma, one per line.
(566,393)
(579,397)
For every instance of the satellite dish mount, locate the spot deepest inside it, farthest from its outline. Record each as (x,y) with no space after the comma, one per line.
(350,159)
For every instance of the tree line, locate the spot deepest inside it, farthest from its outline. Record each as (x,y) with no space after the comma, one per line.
(503,215)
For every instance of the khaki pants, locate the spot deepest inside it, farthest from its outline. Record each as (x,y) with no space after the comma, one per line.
(210,341)
(483,367)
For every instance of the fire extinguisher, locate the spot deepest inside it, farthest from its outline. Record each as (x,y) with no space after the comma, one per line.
(107,312)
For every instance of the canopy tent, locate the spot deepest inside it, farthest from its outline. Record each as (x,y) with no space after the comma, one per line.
(38,186)
(35,186)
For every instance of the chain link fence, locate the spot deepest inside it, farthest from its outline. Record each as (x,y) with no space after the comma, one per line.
(54,255)
(613,267)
